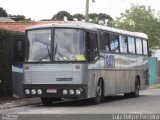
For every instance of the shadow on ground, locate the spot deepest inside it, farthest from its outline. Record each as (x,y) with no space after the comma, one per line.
(86,102)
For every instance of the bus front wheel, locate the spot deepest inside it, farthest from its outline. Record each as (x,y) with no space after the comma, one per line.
(99,93)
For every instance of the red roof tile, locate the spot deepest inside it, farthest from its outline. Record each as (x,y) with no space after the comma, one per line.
(21,26)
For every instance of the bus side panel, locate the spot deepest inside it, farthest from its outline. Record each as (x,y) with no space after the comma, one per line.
(132,72)
(109,81)
(93,77)
(142,71)
(108,73)
(124,76)
(119,84)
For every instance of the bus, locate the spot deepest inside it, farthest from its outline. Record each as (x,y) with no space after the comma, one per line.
(81,60)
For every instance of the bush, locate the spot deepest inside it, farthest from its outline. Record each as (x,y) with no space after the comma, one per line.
(5,62)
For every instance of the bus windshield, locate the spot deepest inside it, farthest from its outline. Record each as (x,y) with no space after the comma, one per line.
(68,45)
(39,45)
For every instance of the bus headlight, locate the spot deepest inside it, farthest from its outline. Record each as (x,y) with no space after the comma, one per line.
(71,92)
(27,91)
(78,92)
(33,91)
(39,91)
(65,92)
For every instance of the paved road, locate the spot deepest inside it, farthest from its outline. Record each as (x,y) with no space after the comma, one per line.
(147,103)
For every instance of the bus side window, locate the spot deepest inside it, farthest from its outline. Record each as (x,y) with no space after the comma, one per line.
(114,42)
(139,46)
(92,45)
(18,48)
(123,44)
(145,49)
(131,45)
(104,41)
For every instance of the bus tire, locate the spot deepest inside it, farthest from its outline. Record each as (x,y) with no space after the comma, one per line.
(136,91)
(48,101)
(137,88)
(99,93)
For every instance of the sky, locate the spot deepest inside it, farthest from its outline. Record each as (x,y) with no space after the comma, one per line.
(45,9)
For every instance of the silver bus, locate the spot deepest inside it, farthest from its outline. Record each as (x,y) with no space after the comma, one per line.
(83,60)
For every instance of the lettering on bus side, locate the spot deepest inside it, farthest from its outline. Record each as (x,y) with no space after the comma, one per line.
(109,61)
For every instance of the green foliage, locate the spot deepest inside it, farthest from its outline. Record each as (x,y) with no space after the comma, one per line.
(3,13)
(5,62)
(78,16)
(101,18)
(140,18)
(20,18)
(60,16)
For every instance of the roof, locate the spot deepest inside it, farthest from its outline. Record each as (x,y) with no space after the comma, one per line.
(91,26)
(21,26)
(68,24)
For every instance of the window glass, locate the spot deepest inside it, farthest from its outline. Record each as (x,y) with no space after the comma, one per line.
(39,45)
(104,41)
(131,45)
(139,46)
(123,44)
(18,48)
(92,45)
(92,41)
(145,50)
(69,45)
(114,44)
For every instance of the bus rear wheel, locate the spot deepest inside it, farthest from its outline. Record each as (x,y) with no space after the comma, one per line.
(137,88)
(136,91)
(48,101)
(99,93)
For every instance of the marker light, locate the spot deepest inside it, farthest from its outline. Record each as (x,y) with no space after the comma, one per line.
(33,91)
(78,92)
(65,92)
(39,91)
(71,92)
(27,91)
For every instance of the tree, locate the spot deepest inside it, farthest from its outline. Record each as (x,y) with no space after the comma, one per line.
(5,62)
(78,16)
(93,18)
(60,16)
(101,18)
(3,12)
(105,19)
(19,18)
(140,18)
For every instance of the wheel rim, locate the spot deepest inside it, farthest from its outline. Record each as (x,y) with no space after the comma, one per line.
(99,90)
(137,89)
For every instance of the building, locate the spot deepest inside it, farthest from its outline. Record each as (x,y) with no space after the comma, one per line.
(21,26)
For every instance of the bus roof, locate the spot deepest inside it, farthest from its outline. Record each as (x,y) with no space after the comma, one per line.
(89,26)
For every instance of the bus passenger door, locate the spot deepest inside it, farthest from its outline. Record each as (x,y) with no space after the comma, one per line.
(93,66)
(17,65)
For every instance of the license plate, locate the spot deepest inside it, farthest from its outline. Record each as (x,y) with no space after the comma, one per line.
(51,90)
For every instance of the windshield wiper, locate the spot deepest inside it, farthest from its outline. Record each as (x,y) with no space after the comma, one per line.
(49,54)
(55,50)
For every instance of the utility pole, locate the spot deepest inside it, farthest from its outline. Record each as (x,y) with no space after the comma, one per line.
(87,10)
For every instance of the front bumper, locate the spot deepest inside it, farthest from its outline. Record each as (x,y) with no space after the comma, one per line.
(58,90)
